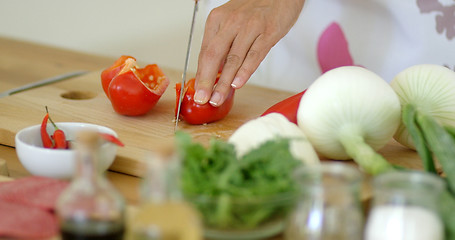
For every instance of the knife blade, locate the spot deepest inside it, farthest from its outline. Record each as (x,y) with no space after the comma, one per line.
(187,59)
(42,83)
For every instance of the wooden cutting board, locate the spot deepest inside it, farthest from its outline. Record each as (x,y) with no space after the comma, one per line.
(82,99)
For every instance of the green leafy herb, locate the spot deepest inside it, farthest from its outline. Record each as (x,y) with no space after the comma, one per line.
(238,193)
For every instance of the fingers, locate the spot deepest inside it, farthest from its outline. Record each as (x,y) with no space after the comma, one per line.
(240,64)
(237,37)
(241,61)
(253,58)
(228,45)
(215,45)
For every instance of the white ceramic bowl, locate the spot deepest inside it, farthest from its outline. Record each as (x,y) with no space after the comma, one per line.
(58,163)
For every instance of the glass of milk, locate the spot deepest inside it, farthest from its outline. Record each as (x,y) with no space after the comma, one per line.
(405,207)
(329,205)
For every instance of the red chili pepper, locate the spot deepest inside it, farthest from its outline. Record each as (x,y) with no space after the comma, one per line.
(59,139)
(288,107)
(111,138)
(47,141)
(58,136)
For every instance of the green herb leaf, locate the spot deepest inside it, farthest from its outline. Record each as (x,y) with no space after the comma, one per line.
(237,193)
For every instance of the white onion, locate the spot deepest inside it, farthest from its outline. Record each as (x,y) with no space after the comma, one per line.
(431,89)
(350,108)
(257,131)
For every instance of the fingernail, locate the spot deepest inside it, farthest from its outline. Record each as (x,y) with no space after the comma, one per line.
(200,97)
(216,97)
(236,82)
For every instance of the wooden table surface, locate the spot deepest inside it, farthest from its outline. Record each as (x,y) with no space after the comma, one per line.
(25,62)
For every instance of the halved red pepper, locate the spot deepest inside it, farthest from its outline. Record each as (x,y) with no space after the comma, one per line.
(132,90)
(287,107)
(108,74)
(194,113)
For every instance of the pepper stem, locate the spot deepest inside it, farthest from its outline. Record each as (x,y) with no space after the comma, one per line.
(50,119)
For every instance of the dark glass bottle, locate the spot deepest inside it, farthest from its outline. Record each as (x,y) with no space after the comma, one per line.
(90,208)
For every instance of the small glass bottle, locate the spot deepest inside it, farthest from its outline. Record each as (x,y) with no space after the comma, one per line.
(163,214)
(90,208)
(329,206)
(405,207)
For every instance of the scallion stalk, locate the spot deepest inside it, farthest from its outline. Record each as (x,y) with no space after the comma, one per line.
(408,116)
(441,143)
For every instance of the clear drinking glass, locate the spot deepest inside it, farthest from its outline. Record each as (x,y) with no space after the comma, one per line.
(329,206)
(162,213)
(405,207)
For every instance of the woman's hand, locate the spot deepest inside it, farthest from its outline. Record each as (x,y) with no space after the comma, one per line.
(238,35)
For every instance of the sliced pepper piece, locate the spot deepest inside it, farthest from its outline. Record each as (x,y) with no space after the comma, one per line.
(108,74)
(134,91)
(111,138)
(194,113)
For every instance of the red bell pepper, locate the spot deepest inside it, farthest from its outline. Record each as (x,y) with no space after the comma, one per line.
(288,107)
(132,90)
(194,113)
(108,74)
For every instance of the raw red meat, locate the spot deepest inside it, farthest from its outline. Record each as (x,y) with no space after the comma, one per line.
(27,206)
(35,191)
(20,221)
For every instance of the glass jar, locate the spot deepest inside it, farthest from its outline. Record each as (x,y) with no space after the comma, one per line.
(405,207)
(329,205)
(90,207)
(162,213)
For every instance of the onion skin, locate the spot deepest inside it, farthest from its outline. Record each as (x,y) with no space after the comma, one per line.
(348,99)
(257,131)
(430,89)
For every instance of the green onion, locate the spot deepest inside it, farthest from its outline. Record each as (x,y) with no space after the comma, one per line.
(409,114)
(441,144)
(427,97)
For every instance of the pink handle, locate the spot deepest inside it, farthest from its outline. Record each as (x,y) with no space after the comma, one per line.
(333,49)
